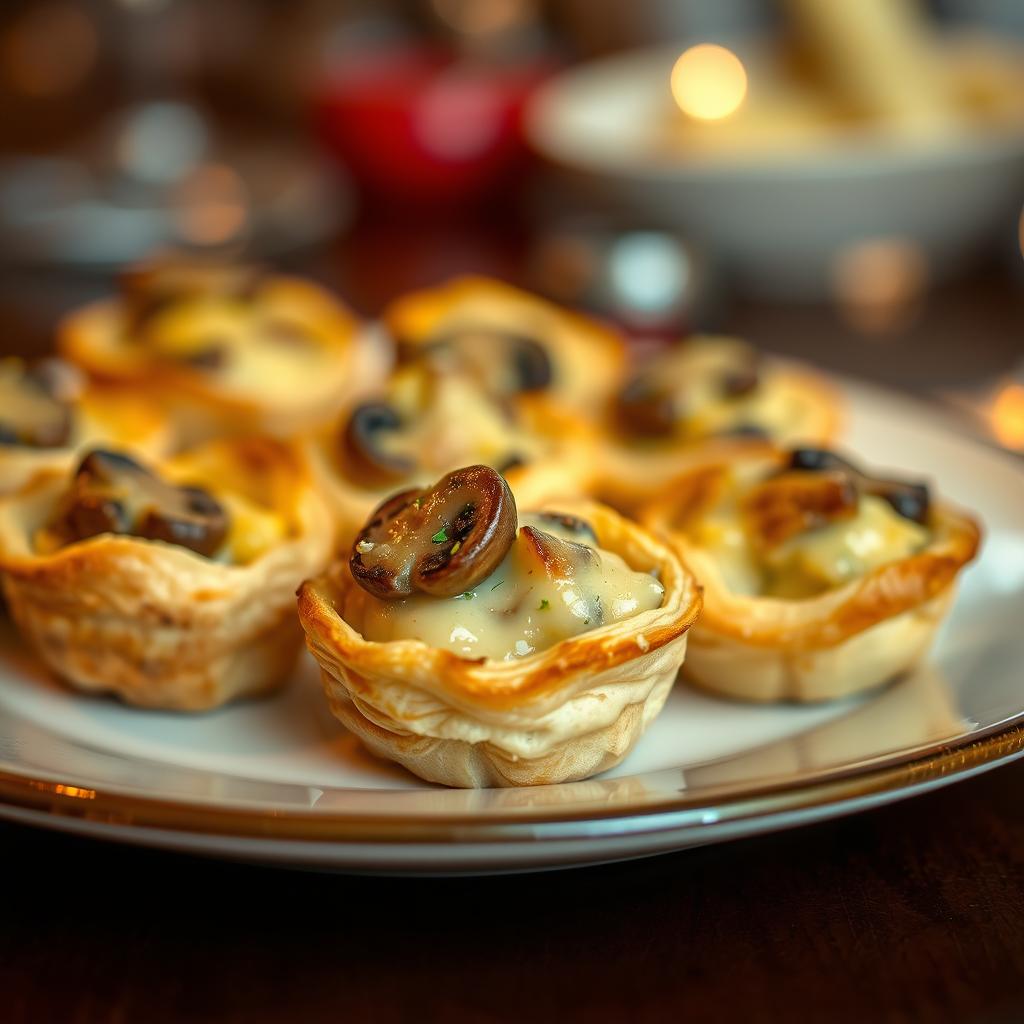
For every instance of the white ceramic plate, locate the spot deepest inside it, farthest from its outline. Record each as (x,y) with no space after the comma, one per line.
(279,780)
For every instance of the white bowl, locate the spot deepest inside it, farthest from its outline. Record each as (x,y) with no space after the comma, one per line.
(778,220)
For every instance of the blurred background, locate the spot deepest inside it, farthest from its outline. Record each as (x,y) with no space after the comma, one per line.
(841,182)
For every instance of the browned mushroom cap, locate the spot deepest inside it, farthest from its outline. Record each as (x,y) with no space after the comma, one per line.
(647,409)
(35,402)
(579,528)
(910,499)
(441,541)
(506,362)
(793,502)
(361,448)
(559,559)
(112,493)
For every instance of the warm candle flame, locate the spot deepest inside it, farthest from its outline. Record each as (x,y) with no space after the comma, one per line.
(709,82)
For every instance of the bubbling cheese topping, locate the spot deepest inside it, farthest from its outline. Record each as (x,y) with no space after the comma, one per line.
(553,584)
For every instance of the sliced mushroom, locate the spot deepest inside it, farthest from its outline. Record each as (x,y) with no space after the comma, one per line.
(646,409)
(112,493)
(910,499)
(793,502)
(213,354)
(35,403)
(817,459)
(506,362)
(570,524)
(361,447)
(441,541)
(513,461)
(741,381)
(557,559)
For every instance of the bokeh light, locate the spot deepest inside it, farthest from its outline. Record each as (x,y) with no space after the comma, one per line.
(1007,416)
(879,283)
(709,82)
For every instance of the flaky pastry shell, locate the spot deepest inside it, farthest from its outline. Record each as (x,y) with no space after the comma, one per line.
(846,640)
(558,715)
(206,406)
(154,623)
(103,418)
(588,357)
(629,475)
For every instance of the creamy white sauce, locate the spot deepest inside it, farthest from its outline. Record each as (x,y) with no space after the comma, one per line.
(527,604)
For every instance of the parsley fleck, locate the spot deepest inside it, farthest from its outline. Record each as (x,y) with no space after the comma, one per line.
(544,605)
(467,596)
(441,536)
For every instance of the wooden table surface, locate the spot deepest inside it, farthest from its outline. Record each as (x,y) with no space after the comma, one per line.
(910,913)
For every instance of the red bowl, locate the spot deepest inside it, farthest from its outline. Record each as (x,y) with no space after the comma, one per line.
(420,126)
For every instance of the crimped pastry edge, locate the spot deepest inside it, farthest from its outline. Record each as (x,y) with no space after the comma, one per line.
(547,718)
(157,624)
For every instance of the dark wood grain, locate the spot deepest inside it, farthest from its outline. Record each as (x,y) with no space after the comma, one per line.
(912,913)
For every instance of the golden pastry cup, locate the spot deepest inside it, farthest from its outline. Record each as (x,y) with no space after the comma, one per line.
(629,475)
(154,623)
(846,640)
(203,405)
(588,357)
(103,418)
(559,715)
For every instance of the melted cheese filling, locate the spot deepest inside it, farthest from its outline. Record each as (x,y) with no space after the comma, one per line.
(264,350)
(449,422)
(814,561)
(696,373)
(522,607)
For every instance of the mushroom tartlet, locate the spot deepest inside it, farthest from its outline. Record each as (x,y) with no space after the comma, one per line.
(693,403)
(429,421)
(819,579)
(516,345)
(48,415)
(172,588)
(229,349)
(479,648)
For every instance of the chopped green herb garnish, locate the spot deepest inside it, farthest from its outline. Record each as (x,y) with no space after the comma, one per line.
(441,536)
(544,605)
(467,596)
